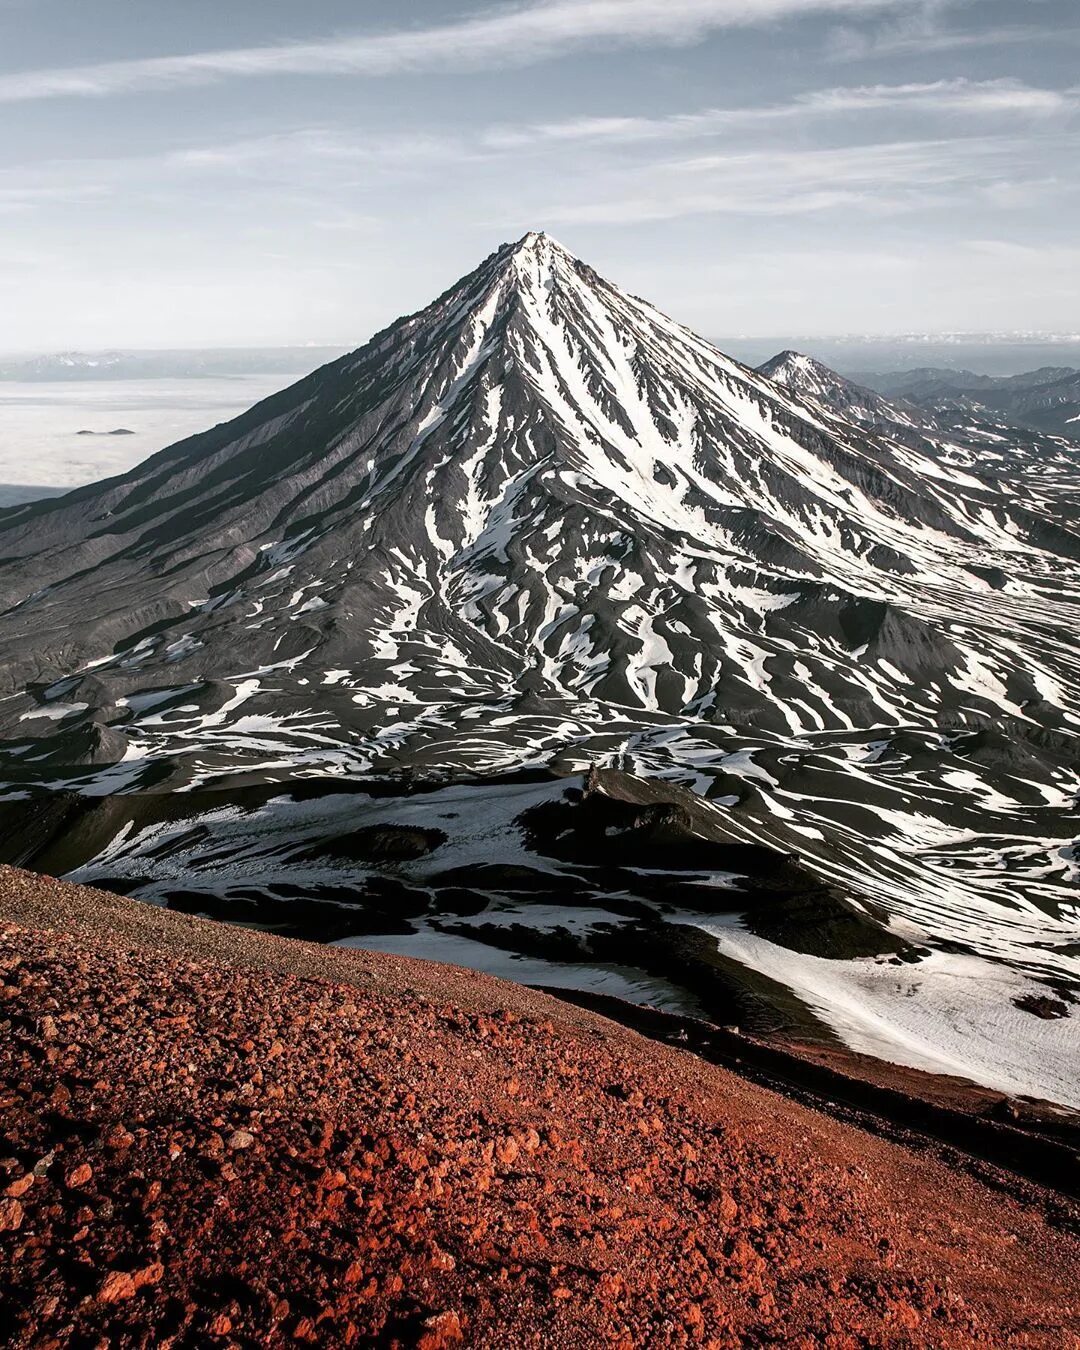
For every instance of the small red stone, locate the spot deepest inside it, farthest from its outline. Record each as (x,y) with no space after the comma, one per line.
(11,1216)
(116,1287)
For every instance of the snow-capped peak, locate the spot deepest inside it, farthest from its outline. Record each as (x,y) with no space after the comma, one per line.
(816,383)
(540,485)
(801,373)
(539,241)
(536,259)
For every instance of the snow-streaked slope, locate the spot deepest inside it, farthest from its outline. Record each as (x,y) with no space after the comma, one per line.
(949,1013)
(946,1009)
(1035,467)
(539,520)
(540,484)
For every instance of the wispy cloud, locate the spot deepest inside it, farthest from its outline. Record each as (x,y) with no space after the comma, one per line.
(507,35)
(314,145)
(966,97)
(722,167)
(301,151)
(923,35)
(873,179)
(952,96)
(18,198)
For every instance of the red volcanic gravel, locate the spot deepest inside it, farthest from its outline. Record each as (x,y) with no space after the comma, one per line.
(211,1137)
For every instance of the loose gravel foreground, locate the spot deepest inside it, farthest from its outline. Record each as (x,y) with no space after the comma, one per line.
(214,1137)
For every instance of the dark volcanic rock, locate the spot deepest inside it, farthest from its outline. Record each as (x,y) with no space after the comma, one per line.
(540,522)
(534,491)
(379,843)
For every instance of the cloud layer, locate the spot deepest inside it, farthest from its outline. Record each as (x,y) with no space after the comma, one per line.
(219,196)
(505,36)
(970,98)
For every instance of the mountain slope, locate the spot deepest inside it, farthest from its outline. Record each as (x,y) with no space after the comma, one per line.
(538,485)
(957,429)
(815,382)
(540,521)
(230,1139)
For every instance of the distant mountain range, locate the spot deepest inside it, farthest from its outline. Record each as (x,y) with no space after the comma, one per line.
(157,365)
(996,354)
(1047,399)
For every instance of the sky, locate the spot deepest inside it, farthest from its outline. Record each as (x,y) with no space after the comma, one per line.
(262,172)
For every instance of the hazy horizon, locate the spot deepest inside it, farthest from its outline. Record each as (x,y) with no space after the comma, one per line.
(40,422)
(943,337)
(986,353)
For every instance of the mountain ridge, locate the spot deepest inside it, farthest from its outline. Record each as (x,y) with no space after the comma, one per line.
(1045,400)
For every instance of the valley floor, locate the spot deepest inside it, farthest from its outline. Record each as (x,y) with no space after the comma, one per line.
(213,1136)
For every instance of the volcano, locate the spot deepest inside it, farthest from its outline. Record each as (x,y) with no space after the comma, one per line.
(537,492)
(539,525)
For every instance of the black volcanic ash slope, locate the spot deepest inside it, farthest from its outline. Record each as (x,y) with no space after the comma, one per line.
(539,520)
